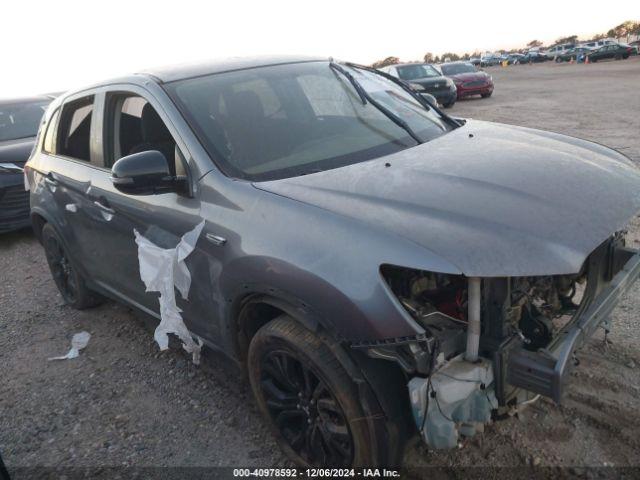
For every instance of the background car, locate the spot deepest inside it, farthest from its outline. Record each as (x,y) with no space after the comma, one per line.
(19,122)
(615,51)
(468,80)
(633,46)
(577,54)
(515,58)
(535,57)
(490,60)
(558,50)
(429,80)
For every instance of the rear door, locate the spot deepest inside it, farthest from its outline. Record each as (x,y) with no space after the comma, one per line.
(69,163)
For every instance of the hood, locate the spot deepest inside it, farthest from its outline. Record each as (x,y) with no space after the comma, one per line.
(470,76)
(16,151)
(432,81)
(494,200)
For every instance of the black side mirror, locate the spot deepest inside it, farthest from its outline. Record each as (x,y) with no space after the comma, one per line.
(145,173)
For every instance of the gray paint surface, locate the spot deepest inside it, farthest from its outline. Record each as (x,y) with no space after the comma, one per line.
(494,200)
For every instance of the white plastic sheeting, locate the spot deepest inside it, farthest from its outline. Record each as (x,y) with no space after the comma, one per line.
(162,270)
(78,342)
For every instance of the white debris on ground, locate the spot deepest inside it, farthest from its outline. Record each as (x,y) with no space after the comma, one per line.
(78,342)
(162,270)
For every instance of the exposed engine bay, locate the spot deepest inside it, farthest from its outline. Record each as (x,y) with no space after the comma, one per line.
(493,343)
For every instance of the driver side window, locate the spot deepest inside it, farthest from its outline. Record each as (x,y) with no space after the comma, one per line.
(134,126)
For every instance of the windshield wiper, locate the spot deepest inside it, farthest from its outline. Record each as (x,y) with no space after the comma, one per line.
(365,97)
(408,89)
(354,83)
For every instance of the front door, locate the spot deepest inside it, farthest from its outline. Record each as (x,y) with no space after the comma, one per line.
(131,125)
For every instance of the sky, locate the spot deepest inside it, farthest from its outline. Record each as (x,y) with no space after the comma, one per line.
(58,45)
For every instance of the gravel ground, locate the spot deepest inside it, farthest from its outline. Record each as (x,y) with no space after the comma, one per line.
(123,403)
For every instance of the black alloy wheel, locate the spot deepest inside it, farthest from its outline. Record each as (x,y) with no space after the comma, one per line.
(61,269)
(305,410)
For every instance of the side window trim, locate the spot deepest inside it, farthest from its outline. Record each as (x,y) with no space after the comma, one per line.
(51,129)
(108,116)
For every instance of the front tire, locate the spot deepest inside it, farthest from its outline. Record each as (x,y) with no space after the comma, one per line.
(486,95)
(70,283)
(311,404)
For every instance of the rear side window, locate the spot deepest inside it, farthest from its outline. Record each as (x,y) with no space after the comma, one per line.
(75,129)
(49,145)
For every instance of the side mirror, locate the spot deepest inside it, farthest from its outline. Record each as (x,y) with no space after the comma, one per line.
(431,100)
(144,173)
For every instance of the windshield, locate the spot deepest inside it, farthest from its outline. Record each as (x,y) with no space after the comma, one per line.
(287,120)
(413,72)
(20,120)
(456,68)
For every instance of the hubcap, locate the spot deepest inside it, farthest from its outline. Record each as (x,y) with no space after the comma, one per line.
(305,411)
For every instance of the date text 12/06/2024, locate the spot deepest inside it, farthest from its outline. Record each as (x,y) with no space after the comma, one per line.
(316,472)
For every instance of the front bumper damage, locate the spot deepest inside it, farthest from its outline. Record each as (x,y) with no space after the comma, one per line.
(545,372)
(456,396)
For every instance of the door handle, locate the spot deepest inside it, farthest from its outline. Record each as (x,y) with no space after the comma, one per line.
(50,181)
(104,208)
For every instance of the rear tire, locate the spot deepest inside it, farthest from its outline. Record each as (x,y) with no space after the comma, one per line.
(449,105)
(310,403)
(70,283)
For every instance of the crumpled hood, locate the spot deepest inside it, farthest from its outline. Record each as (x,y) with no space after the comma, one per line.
(494,200)
(16,151)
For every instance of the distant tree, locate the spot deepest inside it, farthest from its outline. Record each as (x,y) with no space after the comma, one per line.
(625,29)
(569,39)
(599,36)
(436,59)
(466,56)
(534,43)
(451,56)
(428,57)
(387,61)
(611,33)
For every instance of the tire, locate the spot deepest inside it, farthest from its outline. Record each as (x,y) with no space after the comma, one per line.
(449,104)
(70,283)
(294,371)
(618,57)
(486,95)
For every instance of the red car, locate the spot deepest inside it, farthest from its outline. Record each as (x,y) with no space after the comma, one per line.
(468,80)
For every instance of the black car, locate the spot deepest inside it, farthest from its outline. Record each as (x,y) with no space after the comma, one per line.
(428,79)
(534,57)
(19,121)
(614,50)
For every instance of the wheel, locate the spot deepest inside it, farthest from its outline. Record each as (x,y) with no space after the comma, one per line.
(311,404)
(486,95)
(618,57)
(71,285)
(449,104)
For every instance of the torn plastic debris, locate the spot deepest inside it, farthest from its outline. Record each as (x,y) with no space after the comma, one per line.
(78,342)
(162,269)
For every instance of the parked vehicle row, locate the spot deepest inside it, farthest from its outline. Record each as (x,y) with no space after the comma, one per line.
(446,82)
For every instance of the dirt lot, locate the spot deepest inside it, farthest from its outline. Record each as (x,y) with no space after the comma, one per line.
(122,403)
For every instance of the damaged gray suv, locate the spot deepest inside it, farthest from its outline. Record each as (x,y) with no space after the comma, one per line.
(379,268)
